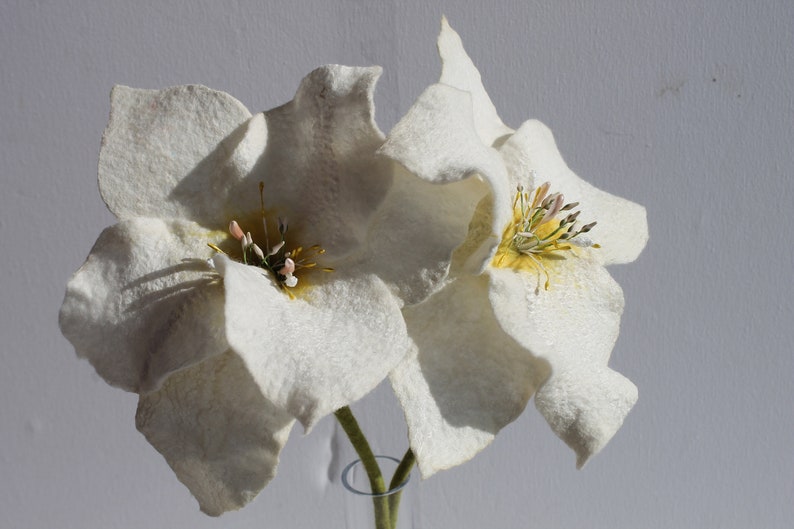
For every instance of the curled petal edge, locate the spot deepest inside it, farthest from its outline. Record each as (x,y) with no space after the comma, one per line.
(586,409)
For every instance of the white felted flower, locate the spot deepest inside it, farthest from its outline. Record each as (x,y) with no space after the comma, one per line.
(530,308)
(226,355)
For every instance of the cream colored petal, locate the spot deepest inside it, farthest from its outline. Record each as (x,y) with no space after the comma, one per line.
(323,350)
(459,71)
(586,407)
(145,303)
(415,232)
(573,325)
(622,229)
(468,379)
(175,153)
(218,433)
(320,169)
(437,142)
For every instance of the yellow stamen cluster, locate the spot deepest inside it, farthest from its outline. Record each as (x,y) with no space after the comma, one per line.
(539,231)
(282,263)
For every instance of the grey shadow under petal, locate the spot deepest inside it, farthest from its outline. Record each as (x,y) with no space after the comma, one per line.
(220,187)
(481,378)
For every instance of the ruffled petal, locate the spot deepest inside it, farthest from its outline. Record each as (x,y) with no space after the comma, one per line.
(468,380)
(622,229)
(218,433)
(459,71)
(174,153)
(320,169)
(437,142)
(314,354)
(145,303)
(573,325)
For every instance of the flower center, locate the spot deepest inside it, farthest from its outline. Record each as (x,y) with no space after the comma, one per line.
(281,260)
(543,228)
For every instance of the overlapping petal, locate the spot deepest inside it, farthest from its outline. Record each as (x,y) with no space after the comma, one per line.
(140,307)
(437,217)
(557,340)
(437,142)
(319,166)
(468,378)
(170,153)
(221,437)
(315,354)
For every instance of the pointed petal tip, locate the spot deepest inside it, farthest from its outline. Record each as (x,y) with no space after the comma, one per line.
(586,410)
(447,32)
(217,432)
(445,24)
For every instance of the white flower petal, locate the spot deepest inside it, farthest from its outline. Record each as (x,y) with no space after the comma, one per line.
(468,380)
(320,168)
(218,433)
(144,304)
(436,139)
(174,153)
(437,142)
(586,407)
(314,354)
(415,232)
(459,71)
(573,325)
(622,229)
(576,320)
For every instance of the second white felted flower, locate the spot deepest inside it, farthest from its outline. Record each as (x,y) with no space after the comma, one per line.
(530,309)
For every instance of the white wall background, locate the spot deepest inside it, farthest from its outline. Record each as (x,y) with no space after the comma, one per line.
(685,107)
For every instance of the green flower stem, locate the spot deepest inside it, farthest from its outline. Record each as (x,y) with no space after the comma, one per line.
(381,503)
(401,473)
(403,469)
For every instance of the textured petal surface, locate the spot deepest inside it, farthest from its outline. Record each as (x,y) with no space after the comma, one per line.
(173,153)
(144,304)
(221,437)
(319,352)
(622,229)
(586,407)
(459,71)
(468,380)
(320,169)
(573,325)
(437,142)
(415,232)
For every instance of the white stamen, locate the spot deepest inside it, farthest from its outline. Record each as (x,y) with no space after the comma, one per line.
(291,281)
(276,248)
(258,251)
